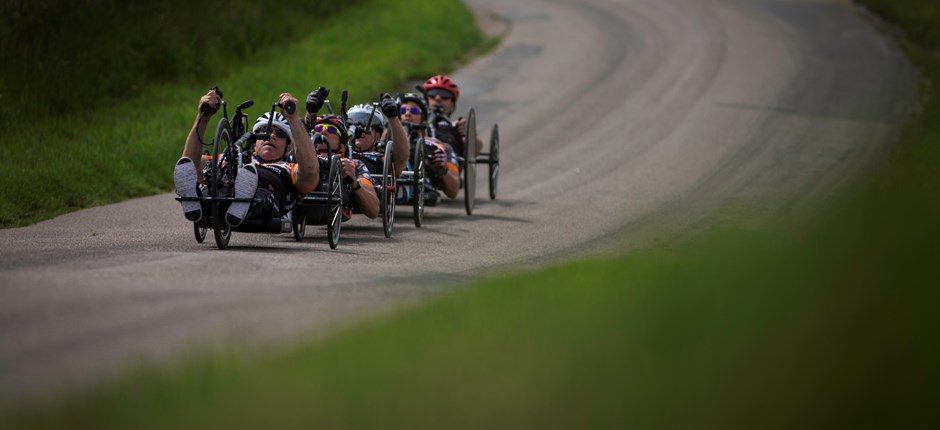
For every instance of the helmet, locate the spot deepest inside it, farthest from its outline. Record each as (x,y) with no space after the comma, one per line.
(442,82)
(416,99)
(358,115)
(279,122)
(338,122)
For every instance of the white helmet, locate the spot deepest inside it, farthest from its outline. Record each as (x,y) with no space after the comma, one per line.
(358,115)
(279,122)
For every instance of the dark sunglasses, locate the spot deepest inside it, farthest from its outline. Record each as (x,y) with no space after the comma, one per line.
(277,132)
(444,95)
(414,110)
(326,128)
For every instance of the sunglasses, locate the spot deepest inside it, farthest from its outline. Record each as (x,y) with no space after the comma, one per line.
(326,129)
(281,134)
(444,95)
(414,110)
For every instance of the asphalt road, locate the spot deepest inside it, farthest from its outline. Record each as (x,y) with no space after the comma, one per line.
(624,124)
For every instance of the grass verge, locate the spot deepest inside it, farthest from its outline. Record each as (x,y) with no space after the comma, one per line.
(744,329)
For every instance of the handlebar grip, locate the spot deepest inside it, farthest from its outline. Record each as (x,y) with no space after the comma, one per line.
(290,108)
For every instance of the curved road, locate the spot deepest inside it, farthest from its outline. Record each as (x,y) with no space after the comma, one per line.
(624,124)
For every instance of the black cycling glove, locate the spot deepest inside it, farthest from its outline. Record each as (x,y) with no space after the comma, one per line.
(389,106)
(315,100)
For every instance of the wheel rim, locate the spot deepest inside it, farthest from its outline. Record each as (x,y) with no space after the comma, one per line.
(335,203)
(419,169)
(388,189)
(223,140)
(469,168)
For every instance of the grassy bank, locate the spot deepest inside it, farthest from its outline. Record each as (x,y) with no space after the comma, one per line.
(124,142)
(743,329)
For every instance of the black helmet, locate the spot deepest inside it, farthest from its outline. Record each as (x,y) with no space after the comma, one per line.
(416,99)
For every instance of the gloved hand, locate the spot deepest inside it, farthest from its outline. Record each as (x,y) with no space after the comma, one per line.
(389,106)
(437,161)
(315,100)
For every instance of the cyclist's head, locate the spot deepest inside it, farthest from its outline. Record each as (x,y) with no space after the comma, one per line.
(333,131)
(409,102)
(441,90)
(362,116)
(277,145)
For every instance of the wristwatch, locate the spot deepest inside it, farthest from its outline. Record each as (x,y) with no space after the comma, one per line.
(358,187)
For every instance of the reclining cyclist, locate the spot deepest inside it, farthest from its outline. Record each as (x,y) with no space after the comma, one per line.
(371,125)
(442,160)
(275,183)
(442,92)
(331,135)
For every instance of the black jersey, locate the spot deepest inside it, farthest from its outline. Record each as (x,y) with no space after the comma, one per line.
(281,179)
(447,132)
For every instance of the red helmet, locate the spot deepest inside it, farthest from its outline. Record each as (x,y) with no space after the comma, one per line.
(442,82)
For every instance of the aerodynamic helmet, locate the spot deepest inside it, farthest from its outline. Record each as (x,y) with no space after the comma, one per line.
(358,116)
(279,122)
(442,82)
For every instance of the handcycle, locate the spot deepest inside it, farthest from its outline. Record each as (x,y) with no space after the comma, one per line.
(225,160)
(323,206)
(468,159)
(388,185)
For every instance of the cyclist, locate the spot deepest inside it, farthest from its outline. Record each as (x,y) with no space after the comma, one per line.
(442,159)
(330,132)
(364,139)
(270,179)
(442,92)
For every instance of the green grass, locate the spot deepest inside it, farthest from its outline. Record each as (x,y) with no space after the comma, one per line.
(831,328)
(127,148)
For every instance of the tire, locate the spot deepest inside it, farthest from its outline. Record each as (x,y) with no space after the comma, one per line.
(494,161)
(334,201)
(420,175)
(220,146)
(199,232)
(389,187)
(470,163)
(298,222)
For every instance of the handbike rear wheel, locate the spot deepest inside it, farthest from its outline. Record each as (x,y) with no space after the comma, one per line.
(420,173)
(494,161)
(223,140)
(389,187)
(470,163)
(199,232)
(334,201)
(298,222)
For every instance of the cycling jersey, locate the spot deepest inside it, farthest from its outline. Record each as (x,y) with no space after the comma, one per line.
(280,178)
(446,131)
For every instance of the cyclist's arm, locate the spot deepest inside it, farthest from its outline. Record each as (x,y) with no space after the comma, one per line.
(365,197)
(192,149)
(401,148)
(308,174)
